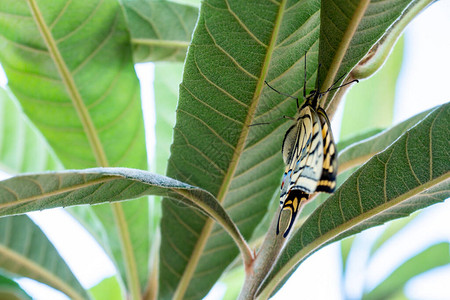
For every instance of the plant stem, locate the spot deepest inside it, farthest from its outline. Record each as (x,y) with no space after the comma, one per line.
(265,260)
(127,251)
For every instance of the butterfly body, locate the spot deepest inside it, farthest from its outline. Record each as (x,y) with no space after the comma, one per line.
(309,153)
(310,156)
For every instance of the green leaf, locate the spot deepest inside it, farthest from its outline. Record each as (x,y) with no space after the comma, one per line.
(108,288)
(379,52)
(411,174)
(87,88)
(370,103)
(167,80)
(236,47)
(26,193)
(360,152)
(348,31)
(26,251)
(70,66)
(222,93)
(160,30)
(11,290)
(357,138)
(432,257)
(22,147)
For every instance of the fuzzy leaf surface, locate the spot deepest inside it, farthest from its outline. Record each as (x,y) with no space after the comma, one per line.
(160,30)
(348,31)
(361,151)
(222,93)
(409,175)
(236,46)
(26,193)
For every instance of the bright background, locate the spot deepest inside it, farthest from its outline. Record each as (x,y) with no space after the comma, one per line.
(423,83)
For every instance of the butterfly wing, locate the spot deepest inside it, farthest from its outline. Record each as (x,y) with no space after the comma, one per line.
(292,204)
(303,154)
(327,181)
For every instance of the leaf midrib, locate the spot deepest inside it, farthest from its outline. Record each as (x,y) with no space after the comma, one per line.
(56,192)
(342,48)
(206,231)
(163,43)
(94,142)
(69,83)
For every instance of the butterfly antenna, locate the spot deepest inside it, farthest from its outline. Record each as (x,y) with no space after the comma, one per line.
(304,82)
(284,94)
(316,92)
(338,87)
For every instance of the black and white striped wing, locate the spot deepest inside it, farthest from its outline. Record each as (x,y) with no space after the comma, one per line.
(302,154)
(327,181)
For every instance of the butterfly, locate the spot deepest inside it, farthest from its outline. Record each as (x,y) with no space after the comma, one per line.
(309,153)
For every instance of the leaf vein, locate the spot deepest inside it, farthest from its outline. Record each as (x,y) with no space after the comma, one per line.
(60,14)
(180,221)
(82,25)
(246,29)
(209,106)
(232,59)
(208,127)
(218,87)
(98,48)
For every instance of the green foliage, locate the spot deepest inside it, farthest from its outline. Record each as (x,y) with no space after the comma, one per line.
(26,251)
(377,109)
(108,288)
(160,30)
(70,66)
(24,149)
(408,175)
(10,290)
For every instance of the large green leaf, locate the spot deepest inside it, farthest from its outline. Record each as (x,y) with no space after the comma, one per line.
(411,174)
(71,68)
(160,30)
(26,251)
(214,146)
(432,257)
(361,151)
(70,65)
(222,93)
(26,193)
(348,31)
(22,147)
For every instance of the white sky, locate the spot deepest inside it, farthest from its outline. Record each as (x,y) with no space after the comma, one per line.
(422,85)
